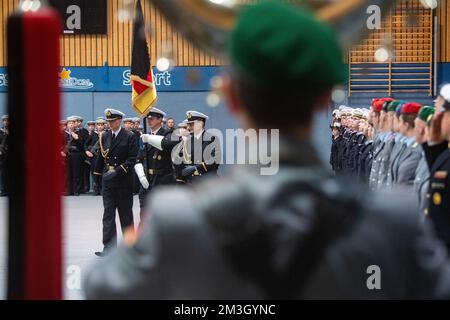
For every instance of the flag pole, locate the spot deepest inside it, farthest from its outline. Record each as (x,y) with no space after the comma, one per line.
(144,125)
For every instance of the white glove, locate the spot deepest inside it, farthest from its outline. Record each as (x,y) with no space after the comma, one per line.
(153,140)
(139,168)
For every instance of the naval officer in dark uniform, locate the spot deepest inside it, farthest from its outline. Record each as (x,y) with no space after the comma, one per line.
(437,153)
(118,151)
(154,164)
(196,163)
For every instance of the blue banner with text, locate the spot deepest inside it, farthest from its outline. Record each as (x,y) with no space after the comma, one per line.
(117,79)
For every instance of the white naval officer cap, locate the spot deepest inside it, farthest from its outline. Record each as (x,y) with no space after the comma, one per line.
(357,112)
(182,125)
(113,114)
(100,120)
(155,112)
(127,120)
(192,116)
(5,116)
(445,94)
(72,118)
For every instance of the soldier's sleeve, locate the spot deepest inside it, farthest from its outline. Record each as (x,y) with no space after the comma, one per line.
(433,152)
(86,143)
(130,161)
(169,142)
(408,169)
(213,150)
(140,155)
(99,163)
(80,143)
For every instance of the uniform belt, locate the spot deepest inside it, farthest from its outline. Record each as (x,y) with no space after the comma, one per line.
(154,172)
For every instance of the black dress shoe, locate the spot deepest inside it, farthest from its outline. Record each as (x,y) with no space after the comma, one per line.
(101,253)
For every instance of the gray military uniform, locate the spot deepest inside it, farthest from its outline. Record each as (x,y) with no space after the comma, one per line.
(178,256)
(421,183)
(385,158)
(408,162)
(394,163)
(376,162)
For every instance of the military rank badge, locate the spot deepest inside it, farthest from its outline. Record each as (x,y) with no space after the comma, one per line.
(440,174)
(437,198)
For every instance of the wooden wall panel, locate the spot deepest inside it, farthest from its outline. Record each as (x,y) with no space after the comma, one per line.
(115,47)
(409,26)
(443,14)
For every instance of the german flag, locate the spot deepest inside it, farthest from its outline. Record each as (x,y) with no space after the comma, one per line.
(144,90)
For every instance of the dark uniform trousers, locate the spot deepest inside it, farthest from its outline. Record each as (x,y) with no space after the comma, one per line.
(75,150)
(115,161)
(157,165)
(136,183)
(85,163)
(438,159)
(93,146)
(65,138)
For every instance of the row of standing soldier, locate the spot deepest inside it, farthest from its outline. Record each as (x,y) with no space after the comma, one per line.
(407,151)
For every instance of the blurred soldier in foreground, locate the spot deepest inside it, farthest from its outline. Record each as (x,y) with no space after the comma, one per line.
(297,234)
(115,162)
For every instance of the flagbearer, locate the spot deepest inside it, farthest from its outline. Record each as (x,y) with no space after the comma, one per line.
(154,163)
(118,151)
(143,89)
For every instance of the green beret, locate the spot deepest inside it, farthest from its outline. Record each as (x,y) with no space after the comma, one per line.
(425,113)
(392,106)
(277,45)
